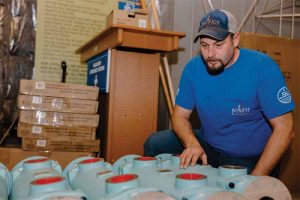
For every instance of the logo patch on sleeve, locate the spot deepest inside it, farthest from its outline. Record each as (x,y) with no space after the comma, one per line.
(284,95)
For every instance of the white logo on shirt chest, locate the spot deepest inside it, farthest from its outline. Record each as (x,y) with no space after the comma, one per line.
(240,110)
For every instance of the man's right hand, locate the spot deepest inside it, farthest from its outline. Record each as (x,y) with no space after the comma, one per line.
(183,129)
(191,154)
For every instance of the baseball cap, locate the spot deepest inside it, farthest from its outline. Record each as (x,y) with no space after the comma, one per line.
(217,24)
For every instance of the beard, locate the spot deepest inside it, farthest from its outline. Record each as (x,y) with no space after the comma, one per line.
(217,68)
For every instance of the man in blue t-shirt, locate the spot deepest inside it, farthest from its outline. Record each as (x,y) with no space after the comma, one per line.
(242,100)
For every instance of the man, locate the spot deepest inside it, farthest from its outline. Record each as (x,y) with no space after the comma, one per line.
(242,101)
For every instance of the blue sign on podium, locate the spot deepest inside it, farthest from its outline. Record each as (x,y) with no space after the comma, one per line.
(98,71)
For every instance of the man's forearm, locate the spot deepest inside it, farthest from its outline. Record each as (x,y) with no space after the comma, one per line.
(276,146)
(184,131)
(272,153)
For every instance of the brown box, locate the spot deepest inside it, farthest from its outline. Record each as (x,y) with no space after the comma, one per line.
(53,144)
(276,49)
(273,46)
(63,132)
(129,18)
(291,66)
(53,89)
(57,104)
(58,118)
(255,42)
(10,157)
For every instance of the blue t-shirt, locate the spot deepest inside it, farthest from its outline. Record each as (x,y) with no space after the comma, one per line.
(234,106)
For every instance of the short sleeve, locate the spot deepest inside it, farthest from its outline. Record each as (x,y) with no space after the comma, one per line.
(272,92)
(185,95)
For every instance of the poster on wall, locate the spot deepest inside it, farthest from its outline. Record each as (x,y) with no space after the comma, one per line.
(64,26)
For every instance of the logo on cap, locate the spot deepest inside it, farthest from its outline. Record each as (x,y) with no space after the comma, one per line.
(210,21)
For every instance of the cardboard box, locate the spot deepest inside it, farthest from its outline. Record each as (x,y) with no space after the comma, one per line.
(273,46)
(53,144)
(255,42)
(276,49)
(136,18)
(58,118)
(63,132)
(53,89)
(10,157)
(291,64)
(57,104)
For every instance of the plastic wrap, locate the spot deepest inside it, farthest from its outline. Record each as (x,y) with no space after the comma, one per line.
(2,17)
(17,46)
(22,33)
(2,63)
(15,69)
(1,94)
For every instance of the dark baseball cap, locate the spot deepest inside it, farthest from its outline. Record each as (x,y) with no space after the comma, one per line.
(217,24)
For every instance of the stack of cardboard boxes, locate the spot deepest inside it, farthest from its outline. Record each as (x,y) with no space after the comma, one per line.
(58,116)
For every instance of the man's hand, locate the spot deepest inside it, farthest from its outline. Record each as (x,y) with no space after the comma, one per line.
(191,154)
(277,144)
(183,129)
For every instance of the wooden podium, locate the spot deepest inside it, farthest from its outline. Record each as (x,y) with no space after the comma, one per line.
(128,112)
